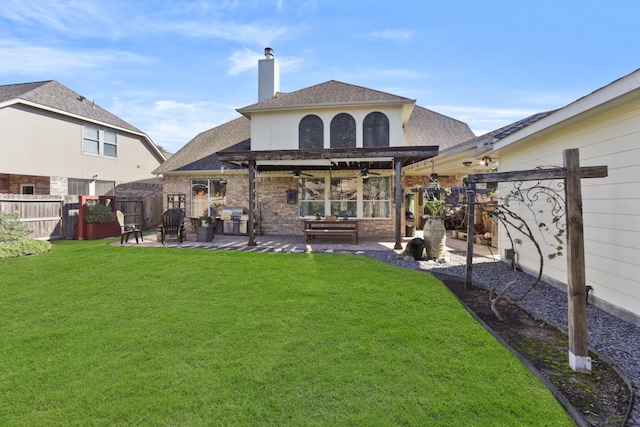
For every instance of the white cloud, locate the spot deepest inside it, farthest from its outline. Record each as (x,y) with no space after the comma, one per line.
(25,59)
(171,123)
(243,60)
(242,33)
(73,18)
(247,60)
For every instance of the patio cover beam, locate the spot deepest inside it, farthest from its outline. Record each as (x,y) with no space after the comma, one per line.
(398,157)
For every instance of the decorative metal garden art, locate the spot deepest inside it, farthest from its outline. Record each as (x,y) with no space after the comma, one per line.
(571,175)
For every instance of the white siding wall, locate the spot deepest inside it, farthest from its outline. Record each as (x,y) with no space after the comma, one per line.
(611,205)
(279,131)
(45,144)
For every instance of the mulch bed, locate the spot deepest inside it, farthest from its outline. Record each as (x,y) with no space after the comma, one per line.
(601,398)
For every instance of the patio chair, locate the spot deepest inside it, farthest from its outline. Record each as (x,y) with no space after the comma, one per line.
(127,229)
(173,225)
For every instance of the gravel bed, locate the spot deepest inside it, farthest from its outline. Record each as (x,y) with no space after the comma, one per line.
(609,335)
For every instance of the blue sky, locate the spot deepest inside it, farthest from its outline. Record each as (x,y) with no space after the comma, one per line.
(176,68)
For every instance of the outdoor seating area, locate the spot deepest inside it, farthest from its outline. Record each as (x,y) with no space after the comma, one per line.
(331,228)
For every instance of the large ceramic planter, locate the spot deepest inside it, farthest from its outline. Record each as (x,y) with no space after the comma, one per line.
(204,234)
(435,237)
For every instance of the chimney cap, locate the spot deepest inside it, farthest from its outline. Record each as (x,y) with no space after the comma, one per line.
(268,52)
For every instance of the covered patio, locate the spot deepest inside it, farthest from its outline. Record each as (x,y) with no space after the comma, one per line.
(334,159)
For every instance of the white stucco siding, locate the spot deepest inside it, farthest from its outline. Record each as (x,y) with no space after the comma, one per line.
(611,205)
(40,143)
(279,131)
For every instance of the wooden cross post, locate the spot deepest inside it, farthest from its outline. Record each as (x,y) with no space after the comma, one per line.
(572,173)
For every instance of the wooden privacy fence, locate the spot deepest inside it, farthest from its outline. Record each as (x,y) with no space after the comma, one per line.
(43,215)
(55,217)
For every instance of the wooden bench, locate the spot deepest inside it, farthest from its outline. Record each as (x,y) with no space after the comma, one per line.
(314,228)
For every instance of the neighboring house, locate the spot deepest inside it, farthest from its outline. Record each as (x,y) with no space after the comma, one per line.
(605,127)
(329,149)
(57,142)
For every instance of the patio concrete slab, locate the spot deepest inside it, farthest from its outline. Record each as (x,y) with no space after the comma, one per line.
(296,243)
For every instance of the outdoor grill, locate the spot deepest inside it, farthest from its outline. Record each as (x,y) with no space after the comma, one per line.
(234,220)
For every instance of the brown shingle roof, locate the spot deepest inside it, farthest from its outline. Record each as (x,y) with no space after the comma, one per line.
(426,127)
(498,134)
(199,153)
(54,95)
(329,93)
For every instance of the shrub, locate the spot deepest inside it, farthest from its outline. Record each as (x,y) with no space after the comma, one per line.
(11,228)
(23,247)
(98,213)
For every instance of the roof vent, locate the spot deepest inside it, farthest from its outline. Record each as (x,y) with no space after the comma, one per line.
(268,52)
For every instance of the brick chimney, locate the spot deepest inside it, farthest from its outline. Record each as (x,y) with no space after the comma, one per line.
(268,76)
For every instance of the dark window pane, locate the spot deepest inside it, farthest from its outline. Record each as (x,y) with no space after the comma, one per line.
(311,133)
(375,130)
(343,131)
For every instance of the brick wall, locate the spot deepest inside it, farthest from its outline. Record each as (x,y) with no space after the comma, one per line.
(11,183)
(273,213)
(139,189)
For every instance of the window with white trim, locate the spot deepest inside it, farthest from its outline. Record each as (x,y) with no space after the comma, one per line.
(354,197)
(207,195)
(100,142)
(27,189)
(91,140)
(110,143)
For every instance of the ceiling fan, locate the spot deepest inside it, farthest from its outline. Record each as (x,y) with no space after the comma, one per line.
(298,174)
(365,173)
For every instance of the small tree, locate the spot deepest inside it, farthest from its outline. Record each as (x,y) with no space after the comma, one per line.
(11,228)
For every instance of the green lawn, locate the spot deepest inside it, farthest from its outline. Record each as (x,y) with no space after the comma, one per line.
(100,335)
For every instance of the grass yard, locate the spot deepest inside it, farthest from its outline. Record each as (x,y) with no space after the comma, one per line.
(98,335)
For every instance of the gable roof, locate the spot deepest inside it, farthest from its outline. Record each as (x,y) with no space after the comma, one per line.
(490,138)
(55,96)
(426,127)
(423,127)
(199,154)
(328,94)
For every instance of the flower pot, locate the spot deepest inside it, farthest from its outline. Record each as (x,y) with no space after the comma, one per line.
(204,234)
(416,247)
(435,237)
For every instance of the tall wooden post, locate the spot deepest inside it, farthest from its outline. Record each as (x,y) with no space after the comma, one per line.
(579,359)
(252,203)
(572,173)
(471,213)
(398,201)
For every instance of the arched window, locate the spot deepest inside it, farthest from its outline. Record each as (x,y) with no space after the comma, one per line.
(343,131)
(311,133)
(375,130)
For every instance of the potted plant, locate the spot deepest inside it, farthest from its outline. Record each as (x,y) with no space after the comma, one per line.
(100,221)
(205,229)
(434,231)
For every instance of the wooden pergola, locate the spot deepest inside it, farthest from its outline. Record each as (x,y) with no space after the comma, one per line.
(333,159)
